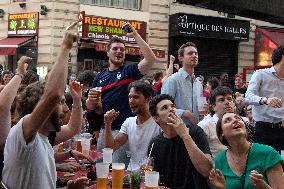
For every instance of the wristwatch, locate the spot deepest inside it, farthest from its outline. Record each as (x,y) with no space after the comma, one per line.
(263,101)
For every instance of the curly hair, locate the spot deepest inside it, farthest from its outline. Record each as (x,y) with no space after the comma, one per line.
(29,77)
(86,77)
(29,97)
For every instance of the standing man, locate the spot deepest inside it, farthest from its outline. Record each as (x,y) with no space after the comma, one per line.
(138,130)
(181,153)
(265,92)
(114,82)
(183,86)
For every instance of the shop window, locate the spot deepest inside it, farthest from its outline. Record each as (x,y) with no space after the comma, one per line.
(266,40)
(127,4)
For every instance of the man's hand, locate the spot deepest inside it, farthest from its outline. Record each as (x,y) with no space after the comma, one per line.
(79,183)
(109,117)
(68,167)
(78,155)
(217,179)
(131,34)
(256,180)
(177,123)
(70,37)
(172,59)
(76,90)
(274,102)
(93,99)
(23,65)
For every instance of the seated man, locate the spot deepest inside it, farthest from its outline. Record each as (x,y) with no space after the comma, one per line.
(181,153)
(138,130)
(221,100)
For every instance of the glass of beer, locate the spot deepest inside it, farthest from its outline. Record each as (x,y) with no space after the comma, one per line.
(99,94)
(151,180)
(117,175)
(102,170)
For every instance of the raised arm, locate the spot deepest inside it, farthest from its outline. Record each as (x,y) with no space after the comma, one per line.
(170,69)
(54,89)
(202,162)
(7,97)
(76,119)
(149,57)
(120,138)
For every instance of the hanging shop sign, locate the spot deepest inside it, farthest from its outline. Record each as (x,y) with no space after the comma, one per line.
(23,24)
(209,27)
(103,28)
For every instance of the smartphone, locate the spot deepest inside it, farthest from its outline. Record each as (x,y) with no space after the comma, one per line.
(127,28)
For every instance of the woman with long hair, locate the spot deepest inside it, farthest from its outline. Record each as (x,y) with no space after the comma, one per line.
(244,165)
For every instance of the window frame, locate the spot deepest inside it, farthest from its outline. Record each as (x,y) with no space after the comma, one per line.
(109,6)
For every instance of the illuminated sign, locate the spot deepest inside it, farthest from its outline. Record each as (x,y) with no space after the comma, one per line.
(131,50)
(23,24)
(103,28)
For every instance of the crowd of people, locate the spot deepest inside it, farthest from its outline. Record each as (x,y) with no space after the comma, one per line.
(235,144)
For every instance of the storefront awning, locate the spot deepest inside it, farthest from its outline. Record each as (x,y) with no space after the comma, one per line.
(276,36)
(9,45)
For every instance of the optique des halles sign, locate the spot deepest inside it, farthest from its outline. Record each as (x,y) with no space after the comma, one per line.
(209,27)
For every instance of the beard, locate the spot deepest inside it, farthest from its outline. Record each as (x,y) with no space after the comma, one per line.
(55,121)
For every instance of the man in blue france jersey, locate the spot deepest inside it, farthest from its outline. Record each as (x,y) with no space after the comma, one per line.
(114,83)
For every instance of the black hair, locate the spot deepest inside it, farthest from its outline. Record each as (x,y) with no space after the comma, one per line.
(220,90)
(142,87)
(277,54)
(86,77)
(156,100)
(214,82)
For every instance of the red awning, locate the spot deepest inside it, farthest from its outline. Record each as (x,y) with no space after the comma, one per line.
(275,35)
(9,45)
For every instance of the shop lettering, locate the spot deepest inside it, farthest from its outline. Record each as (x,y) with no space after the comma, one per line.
(203,26)
(22,16)
(110,22)
(98,36)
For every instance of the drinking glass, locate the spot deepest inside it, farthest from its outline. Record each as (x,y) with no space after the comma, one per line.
(117,175)
(102,170)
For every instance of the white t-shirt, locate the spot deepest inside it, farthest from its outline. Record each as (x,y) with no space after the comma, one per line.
(139,136)
(29,166)
(210,129)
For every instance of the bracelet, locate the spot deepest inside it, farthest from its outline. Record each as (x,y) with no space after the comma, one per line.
(79,107)
(21,75)
(71,154)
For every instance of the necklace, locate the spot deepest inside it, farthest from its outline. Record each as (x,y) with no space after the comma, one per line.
(243,176)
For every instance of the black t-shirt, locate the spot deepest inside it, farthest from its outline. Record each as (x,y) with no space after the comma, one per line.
(172,161)
(242,91)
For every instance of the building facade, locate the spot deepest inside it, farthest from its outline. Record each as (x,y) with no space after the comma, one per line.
(217,53)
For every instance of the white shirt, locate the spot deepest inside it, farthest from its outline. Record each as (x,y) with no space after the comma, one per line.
(210,129)
(139,136)
(28,166)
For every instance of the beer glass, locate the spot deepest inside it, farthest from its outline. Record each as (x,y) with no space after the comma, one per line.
(117,175)
(99,94)
(102,170)
(201,101)
(107,155)
(151,180)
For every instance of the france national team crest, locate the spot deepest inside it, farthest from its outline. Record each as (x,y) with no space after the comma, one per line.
(118,76)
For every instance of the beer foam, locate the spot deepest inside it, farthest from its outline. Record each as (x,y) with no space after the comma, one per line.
(118,166)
